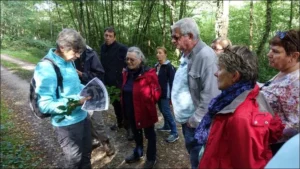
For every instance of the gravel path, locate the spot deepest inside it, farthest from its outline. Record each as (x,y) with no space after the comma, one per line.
(15,91)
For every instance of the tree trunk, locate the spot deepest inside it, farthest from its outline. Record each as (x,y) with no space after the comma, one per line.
(291,15)
(81,21)
(164,23)
(267,28)
(111,13)
(171,5)
(72,16)
(251,25)
(222,18)
(88,34)
(59,15)
(107,13)
(182,9)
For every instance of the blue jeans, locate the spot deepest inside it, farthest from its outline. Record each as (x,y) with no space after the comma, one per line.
(75,140)
(164,108)
(191,145)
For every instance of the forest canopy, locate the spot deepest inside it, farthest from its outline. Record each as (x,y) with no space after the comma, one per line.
(146,23)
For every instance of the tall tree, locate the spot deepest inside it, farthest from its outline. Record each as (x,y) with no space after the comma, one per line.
(251,25)
(291,14)
(222,18)
(268,25)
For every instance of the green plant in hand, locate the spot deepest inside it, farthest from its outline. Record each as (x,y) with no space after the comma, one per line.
(71,105)
(114,93)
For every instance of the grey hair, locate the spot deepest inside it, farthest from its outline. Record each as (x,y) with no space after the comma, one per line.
(138,52)
(187,25)
(70,39)
(241,59)
(224,42)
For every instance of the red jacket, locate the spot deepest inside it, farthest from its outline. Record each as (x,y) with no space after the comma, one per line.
(146,92)
(241,133)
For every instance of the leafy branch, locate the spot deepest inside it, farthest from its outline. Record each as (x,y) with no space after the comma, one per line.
(114,93)
(67,110)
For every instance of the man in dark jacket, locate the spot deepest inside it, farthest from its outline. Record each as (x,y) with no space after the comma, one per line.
(113,56)
(89,66)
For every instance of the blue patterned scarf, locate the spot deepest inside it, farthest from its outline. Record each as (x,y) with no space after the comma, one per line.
(217,104)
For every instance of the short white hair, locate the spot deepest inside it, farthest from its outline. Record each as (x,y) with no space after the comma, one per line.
(187,25)
(138,52)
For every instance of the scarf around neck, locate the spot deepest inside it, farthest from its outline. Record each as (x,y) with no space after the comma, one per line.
(217,104)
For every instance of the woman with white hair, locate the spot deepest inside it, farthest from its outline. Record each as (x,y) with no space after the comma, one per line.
(140,93)
(73,130)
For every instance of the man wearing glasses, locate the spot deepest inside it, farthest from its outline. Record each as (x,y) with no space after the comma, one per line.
(194,83)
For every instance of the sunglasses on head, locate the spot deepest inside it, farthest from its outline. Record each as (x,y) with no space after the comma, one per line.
(282,35)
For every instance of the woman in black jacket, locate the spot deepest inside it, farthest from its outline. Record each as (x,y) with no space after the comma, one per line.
(165,72)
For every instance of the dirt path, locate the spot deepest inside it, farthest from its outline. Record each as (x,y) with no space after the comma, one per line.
(15,91)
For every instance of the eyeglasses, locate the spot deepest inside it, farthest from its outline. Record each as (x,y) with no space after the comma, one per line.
(176,38)
(130,60)
(215,48)
(282,35)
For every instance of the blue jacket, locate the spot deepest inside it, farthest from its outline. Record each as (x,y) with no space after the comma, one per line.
(46,84)
(165,77)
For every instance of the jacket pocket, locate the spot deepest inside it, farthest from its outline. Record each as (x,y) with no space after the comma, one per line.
(193,80)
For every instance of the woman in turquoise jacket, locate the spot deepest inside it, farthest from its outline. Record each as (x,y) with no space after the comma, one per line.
(73,131)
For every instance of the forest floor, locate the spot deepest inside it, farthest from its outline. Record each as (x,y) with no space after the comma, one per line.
(40,136)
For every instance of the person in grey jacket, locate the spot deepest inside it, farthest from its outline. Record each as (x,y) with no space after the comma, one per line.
(191,96)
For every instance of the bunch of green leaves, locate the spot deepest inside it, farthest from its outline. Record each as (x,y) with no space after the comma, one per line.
(67,110)
(114,93)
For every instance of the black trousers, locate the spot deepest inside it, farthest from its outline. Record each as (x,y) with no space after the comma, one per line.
(138,138)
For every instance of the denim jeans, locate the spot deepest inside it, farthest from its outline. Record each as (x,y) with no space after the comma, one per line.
(169,122)
(191,145)
(75,140)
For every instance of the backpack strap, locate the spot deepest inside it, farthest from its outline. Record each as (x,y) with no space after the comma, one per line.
(58,75)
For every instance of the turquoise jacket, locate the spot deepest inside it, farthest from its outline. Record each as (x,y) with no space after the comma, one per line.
(46,84)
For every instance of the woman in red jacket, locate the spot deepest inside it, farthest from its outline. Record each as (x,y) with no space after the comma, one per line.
(140,93)
(237,129)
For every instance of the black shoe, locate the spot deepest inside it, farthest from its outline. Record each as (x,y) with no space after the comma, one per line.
(95,143)
(132,158)
(114,127)
(149,164)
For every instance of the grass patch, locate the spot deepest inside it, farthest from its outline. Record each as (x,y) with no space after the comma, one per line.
(31,54)
(15,152)
(22,73)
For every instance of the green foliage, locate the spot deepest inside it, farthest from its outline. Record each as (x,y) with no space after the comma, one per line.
(25,49)
(67,110)
(15,152)
(145,24)
(114,93)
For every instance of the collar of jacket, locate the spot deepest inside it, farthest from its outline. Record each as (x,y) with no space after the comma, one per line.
(89,52)
(165,63)
(111,45)
(252,94)
(144,69)
(199,45)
